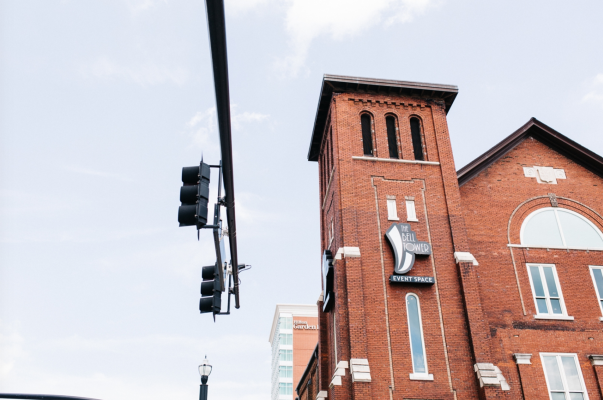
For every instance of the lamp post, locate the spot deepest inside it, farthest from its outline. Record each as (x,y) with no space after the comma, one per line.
(204,371)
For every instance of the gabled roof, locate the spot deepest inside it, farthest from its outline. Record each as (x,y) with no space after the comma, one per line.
(340,84)
(543,133)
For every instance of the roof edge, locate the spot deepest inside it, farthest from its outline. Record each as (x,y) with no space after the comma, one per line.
(341,84)
(301,310)
(541,132)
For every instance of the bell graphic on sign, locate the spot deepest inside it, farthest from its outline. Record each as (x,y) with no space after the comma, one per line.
(405,245)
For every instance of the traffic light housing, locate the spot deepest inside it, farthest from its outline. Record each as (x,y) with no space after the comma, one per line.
(211,290)
(194,196)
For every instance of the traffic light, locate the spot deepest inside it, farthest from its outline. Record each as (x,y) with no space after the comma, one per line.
(194,195)
(211,291)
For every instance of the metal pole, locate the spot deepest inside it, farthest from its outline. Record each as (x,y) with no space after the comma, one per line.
(217,37)
(203,392)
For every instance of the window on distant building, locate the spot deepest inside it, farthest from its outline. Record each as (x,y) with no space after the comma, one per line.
(367,134)
(285,338)
(597,275)
(417,142)
(558,227)
(563,377)
(285,388)
(285,323)
(285,371)
(392,212)
(547,291)
(392,137)
(285,355)
(417,344)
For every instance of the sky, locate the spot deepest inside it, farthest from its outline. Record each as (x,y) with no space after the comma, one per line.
(103,102)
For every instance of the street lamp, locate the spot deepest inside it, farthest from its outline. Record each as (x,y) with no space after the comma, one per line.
(204,371)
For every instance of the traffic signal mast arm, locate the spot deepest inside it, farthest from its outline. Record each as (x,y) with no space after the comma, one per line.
(217,37)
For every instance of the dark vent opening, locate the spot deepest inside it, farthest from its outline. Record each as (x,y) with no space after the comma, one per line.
(391,137)
(417,145)
(367,137)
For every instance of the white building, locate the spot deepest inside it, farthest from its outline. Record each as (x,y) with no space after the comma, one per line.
(293,337)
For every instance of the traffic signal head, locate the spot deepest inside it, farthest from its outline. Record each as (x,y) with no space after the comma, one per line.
(194,195)
(211,291)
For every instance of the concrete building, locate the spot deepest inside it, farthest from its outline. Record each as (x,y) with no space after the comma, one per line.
(293,338)
(482,283)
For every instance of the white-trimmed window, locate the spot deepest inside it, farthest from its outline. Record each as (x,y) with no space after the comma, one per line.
(417,344)
(546,290)
(285,323)
(285,355)
(285,338)
(597,274)
(285,388)
(563,377)
(560,228)
(411,213)
(392,211)
(285,371)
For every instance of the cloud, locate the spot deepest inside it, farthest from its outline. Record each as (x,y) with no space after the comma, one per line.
(11,348)
(101,174)
(95,377)
(138,6)
(306,20)
(236,6)
(595,95)
(203,127)
(144,75)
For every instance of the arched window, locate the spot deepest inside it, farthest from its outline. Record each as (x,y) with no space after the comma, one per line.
(367,134)
(417,344)
(417,143)
(559,227)
(392,138)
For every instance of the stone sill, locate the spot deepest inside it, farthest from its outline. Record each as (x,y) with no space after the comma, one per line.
(395,160)
(553,317)
(421,377)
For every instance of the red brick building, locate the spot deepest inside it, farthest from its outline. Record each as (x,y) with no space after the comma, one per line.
(483,283)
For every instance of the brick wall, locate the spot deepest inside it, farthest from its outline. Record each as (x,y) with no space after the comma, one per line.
(495,204)
(369,318)
(304,342)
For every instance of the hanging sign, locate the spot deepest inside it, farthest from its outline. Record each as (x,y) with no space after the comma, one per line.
(406,246)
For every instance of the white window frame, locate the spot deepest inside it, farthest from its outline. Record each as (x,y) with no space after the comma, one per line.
(562,372)
(411,211)
(392,210)
(550,315)
(599,295)
(418,376)
(582,217)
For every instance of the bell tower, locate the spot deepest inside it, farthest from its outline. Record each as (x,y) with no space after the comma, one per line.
(400,314)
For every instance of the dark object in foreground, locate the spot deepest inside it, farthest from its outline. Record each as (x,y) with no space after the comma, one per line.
(40,397)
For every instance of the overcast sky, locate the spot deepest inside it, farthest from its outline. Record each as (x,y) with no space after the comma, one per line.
(103,102)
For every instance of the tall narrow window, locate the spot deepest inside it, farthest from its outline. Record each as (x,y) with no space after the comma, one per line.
(417,344)
(547,292)
(392,212)
(392,138)
(411,213)
(597,274)
(563,377)
(417,143)
(367,134)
